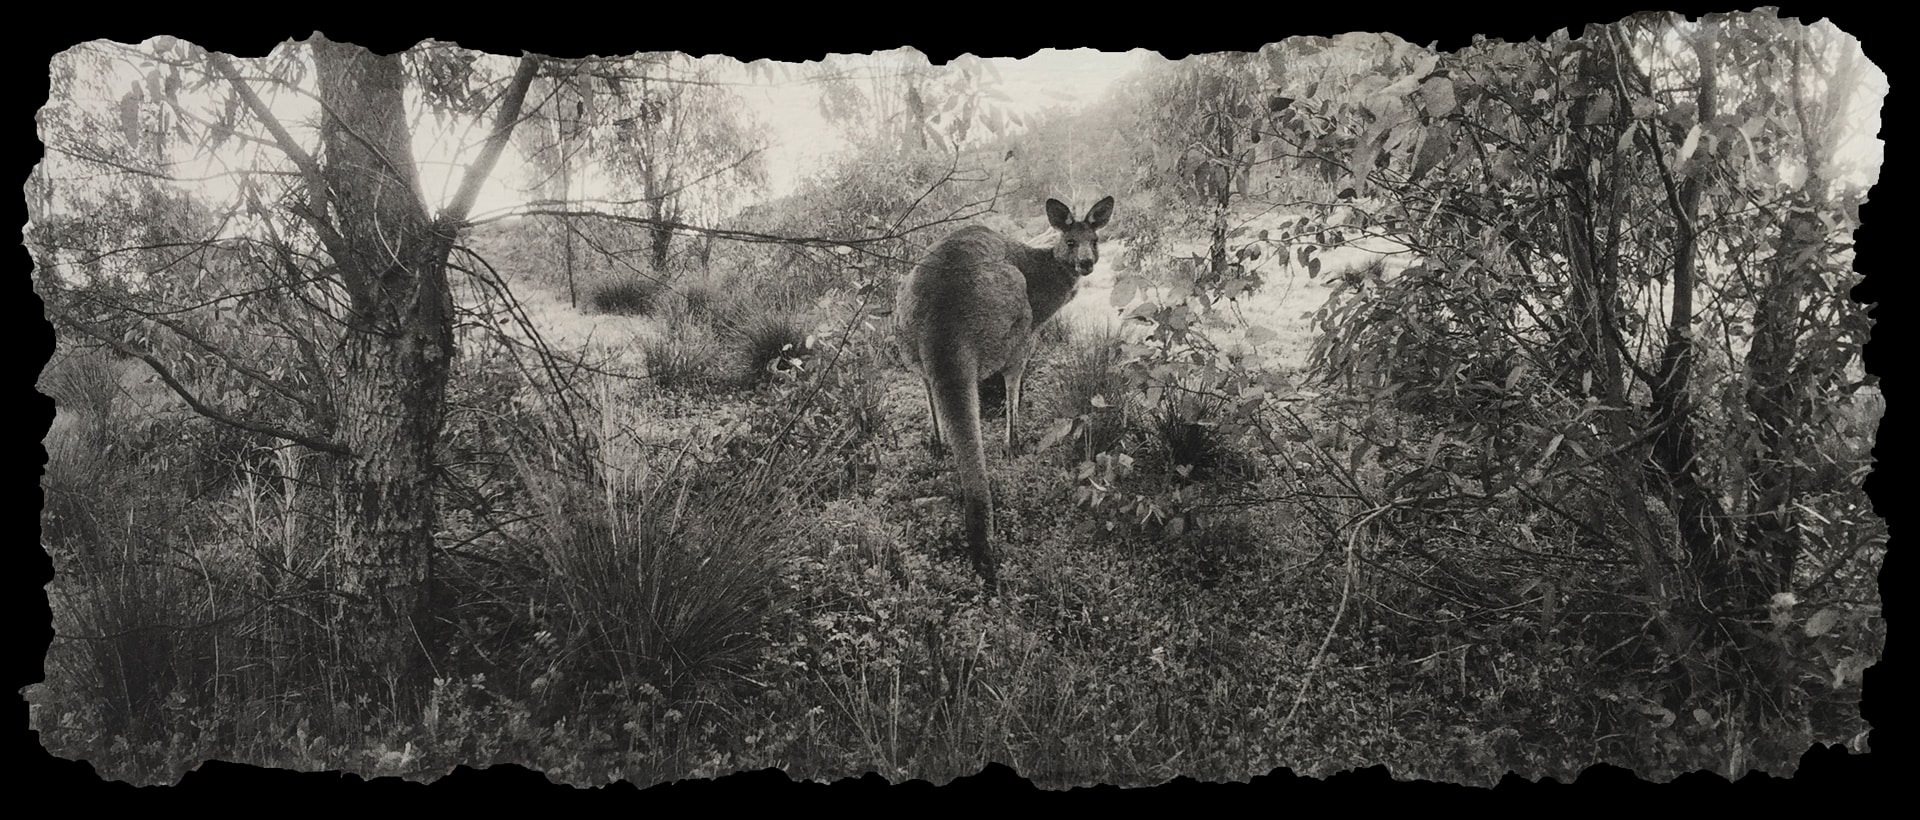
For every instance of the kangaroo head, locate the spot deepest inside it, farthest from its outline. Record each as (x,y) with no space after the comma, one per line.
(1079,245)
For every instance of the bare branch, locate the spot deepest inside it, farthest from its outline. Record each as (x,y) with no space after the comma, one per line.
(503,124)
(862,244)
(742,160)
(99,158)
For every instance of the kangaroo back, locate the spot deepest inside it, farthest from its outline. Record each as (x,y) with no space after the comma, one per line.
(966,312)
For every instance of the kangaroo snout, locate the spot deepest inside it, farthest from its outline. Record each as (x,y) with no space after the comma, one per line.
(968,311)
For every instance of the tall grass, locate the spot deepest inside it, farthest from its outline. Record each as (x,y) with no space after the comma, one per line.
(185,615)
(1091,388)
(654,575)
(702,301)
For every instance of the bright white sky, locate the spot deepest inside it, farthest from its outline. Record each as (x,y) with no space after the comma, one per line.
(801,137)
(1048,78)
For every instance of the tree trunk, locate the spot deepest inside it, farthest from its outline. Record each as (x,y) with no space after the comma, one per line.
(1589,221)
(660,234)
(1217,231)
(398,347)
(658,199)
(1702,521)
(566,225)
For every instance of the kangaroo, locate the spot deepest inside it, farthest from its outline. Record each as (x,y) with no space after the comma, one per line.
(968,311)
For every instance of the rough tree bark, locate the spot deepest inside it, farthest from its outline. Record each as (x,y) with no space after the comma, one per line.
(399,349)
(391,257)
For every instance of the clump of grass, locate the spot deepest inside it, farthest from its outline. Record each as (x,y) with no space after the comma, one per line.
(81,382)
(658,573)
(1186,430)
(769,344)
(1182,431)
(1055,332)
(632,296)
(993,395)
(694,303)
(1087,375)
(702,300)
(84,389)
(675,361)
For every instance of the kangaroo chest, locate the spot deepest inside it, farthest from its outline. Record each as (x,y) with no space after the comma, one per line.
(1046,295)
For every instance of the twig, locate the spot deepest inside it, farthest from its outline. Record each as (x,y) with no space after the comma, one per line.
(1346,590)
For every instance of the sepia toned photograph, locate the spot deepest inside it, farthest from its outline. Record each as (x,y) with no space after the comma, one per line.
(1104,416)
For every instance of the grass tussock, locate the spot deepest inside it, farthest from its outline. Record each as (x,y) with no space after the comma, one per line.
(629,296)
(703,301)
(656,575)
(679,361)
(768,345)
(1091,389)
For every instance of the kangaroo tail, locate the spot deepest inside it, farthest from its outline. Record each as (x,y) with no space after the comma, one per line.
(956,388)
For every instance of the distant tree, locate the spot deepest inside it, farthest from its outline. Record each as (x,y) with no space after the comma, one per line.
(685,147)
(1198,119)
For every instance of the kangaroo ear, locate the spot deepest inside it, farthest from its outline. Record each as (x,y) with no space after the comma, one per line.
(1097,215)
(1059,215)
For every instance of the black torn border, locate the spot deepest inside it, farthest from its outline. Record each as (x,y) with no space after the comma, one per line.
(1829,779)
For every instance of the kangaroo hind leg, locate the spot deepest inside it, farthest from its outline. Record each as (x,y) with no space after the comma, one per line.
(1015,376)
(935,437)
